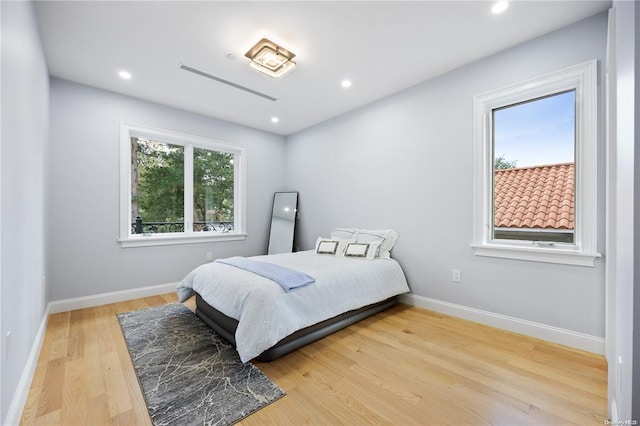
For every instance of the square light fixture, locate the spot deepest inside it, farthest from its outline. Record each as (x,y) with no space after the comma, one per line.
(271,59)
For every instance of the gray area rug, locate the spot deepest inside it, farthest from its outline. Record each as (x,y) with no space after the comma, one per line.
(189,374)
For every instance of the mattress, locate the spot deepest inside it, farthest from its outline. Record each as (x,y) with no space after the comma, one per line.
(266,314)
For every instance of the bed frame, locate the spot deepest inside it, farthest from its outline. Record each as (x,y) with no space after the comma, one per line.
(226,326)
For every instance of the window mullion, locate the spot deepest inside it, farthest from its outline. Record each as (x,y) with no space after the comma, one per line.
(188,189)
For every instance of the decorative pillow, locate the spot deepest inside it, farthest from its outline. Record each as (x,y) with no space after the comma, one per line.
(362,250)
(331,246)
(345,234)
(326,246)
(387,239)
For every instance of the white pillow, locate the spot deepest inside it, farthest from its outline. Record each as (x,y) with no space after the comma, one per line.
(362,250)
(386,237)
(330,246)
(345,234)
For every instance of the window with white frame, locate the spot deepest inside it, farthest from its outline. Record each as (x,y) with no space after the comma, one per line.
(178,188)
(535,169)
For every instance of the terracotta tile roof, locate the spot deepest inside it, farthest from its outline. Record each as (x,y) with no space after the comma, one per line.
(535,197)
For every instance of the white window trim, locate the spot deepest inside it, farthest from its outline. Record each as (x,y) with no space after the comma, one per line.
(189,141)
(583,79)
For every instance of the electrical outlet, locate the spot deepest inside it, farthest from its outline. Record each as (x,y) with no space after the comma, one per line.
(456,275)
(209,255)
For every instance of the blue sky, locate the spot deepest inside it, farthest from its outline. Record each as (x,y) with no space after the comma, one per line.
(537,132)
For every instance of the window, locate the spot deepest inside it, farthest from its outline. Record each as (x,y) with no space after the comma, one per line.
(535,169)
(178,188)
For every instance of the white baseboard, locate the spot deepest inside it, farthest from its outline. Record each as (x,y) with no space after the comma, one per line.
(106,298)
(22,391)
(549,333)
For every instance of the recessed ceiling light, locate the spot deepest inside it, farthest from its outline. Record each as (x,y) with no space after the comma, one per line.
(125,75)
(274,119)
(345,83)
(499,7)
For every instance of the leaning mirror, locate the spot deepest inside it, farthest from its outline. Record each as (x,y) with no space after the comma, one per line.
(283,222)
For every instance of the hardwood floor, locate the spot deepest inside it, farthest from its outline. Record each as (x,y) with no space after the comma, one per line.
(403,366)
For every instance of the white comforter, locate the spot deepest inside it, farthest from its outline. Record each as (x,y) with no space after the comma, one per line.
(266,313)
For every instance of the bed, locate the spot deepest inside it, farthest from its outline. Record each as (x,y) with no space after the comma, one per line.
(264,321)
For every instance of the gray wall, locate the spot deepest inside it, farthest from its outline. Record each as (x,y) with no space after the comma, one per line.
(405,162)
(25,115)
(85,256)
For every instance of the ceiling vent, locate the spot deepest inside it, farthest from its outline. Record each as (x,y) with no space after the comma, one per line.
(227,82)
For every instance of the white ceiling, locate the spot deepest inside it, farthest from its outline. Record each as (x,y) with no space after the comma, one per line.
(382,46)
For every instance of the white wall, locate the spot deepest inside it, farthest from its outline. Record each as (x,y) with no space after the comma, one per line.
(623,211)
(404,163)
(85,256)
(635,288)
(25,115)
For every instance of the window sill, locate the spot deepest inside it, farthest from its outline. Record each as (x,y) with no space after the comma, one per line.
(537,254)
(168,239)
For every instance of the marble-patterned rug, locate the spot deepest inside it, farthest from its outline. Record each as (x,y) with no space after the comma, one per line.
(189,374)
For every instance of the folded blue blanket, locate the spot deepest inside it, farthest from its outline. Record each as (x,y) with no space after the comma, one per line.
(287,278)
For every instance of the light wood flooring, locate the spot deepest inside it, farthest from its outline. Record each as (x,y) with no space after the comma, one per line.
(405,366)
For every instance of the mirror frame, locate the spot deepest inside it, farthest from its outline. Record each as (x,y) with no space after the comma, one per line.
(282,235)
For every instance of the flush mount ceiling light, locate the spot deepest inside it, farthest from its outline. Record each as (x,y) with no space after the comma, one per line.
(271,59)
